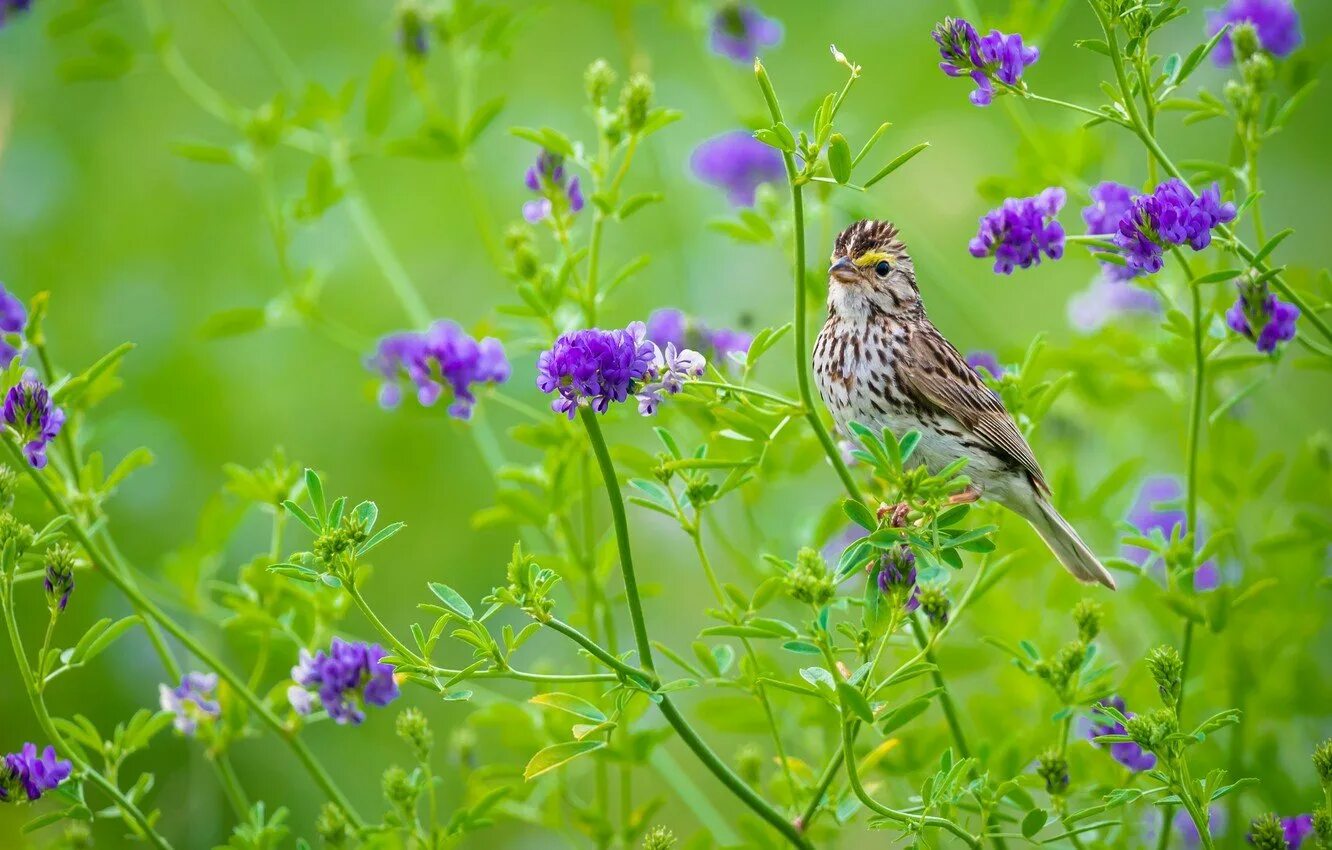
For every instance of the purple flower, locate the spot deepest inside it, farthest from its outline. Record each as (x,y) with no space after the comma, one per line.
(346,678)
(192,701)
(1148,515)
(34,418)
(740,32)
(1172,215)
(1297,829)
(558,192)
(1019,231)
(669,326)
(58,579)
(897,577)
(30,773)
(1258,306)
(737,162)
(7,6)
(1110,201)
(1183,826)
(1127,753)
(1106,299)
(596,367)
(443,354)
(986,361)
(996,57)
(1275,21)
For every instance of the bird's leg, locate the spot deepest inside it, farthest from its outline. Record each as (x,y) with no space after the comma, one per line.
(966,497)
(898,512)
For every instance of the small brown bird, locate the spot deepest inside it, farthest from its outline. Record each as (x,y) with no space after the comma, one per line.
(880,362)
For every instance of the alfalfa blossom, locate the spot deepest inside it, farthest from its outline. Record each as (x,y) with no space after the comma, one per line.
(985,363)
(1110,202)
(443,356)
(192,701)
(1019,231)
(737,163)
(1154,510)
(13,319)
(897,577)
(1258,307)
(594,368)
(345,679)
(1275,22)
(1127,753)
(1271,832)
(1107,299)
(558,191)
(996,57)
(1172,215)
(28,775)
(740,32)
(669,326)
(34,418)
(58,576)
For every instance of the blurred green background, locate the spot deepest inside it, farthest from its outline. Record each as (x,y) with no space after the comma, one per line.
(135,243)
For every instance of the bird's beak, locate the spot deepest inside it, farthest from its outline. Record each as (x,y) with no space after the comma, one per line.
(844,271)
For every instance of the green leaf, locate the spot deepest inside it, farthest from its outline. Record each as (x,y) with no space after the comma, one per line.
(1217,276)
(854,700)
(206,153)
(452,600)
(103,640)
(1033,822)
(636,202)
(557,756)
(897,163)
(839,158)
(379,95)
(234,322)
(301,516)
(71,390)
(1271,246)
(481,118)
(859,514)
(570,704)
(738,631)
(315,488)
(905,713)
(380,536)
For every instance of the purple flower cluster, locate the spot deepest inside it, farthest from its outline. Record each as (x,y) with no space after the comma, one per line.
(1110,203)
(547,178)
(595,367)
(1147,515)
(443,354)
(1258,307)
(1019,231)
(669,326)
(737,163)
(1106,299)
(346,678)
(1172,215)
(191,702)
(983,362)
(1127,753)
(13,315)
(740,32)
(1275,21)
(897,577)
(1296,828)
(7,6)
(30,773)
(34,417)
(986,59)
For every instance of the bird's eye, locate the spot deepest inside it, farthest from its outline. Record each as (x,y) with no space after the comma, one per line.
(882,268)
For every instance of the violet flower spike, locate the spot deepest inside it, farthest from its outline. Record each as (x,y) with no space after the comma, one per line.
(1276,23)
(737,163)
(30,774)
(33,417)
(1021,230)
(191,702)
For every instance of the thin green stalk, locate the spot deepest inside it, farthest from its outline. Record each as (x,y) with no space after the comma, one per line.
(398,646)
(231,786)
(151,611)
(750,391)
(599,653)
(131,811)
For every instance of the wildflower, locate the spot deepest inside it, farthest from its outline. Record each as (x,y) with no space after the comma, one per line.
(737,163)
(191,702)
(13,315)
(1127,753)
(596,367)
(558,192)
(1269,832)
(740,32)
(1172,215)
(1053,768)
(996,57)
(31,773)
(1110,201)
(1276,23)
(1019,231)
(1152,511)
(7,6)
(1258,307)
(934,605)
(20,534)
(897,577)
(983,362)
(810,581)
(59,578)
(1108,298)
(669,326)
(34,418)
(444,354)
(346,678)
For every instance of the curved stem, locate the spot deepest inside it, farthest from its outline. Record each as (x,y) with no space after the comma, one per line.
(750,391)
(598,652)
(398,646)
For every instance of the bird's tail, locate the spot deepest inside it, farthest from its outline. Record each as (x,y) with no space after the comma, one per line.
(1066,545)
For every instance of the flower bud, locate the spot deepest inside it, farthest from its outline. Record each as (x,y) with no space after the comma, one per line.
(1322,827)
(934,604)
(59,580)
(1266,832)
(1151,729)
(635,98)
(332,828)
(1087,617)
(1259,72)
(400,788)
(1053,768)
(1167,669)
(20,534)
(658,838)
(8,483)
(414,730)
(1244,36)
(413,32)
(1322,759)
(598,80)
(810,581)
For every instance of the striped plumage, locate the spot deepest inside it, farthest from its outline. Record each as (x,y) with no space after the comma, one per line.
(879,361)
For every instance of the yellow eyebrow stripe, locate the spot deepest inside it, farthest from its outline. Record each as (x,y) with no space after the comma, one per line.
(869,258)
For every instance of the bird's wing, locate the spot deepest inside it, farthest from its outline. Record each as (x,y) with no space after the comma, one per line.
(936,375)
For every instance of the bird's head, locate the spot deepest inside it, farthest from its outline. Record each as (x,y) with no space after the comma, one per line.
(871,271)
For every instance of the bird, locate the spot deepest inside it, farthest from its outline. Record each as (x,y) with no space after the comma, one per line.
(880,361)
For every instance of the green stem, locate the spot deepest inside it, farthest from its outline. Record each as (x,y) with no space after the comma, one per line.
(398,646)
(750,391)
(598,652)
(231,786)
(152,612)
(945,696)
